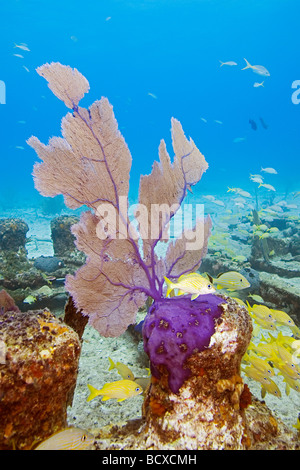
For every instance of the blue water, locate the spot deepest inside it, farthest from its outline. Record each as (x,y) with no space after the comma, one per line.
(171,49)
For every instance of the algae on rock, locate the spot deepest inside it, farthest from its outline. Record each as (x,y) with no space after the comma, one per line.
(37,376)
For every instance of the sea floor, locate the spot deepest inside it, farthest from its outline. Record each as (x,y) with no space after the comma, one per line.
(93,369)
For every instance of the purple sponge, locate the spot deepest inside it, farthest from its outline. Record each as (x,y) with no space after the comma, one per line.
(176,328)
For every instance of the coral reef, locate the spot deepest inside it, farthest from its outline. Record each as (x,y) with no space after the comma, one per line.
(197,398)
(74,318)
(12,234)
(40,278)
(7,303)
(213,409)
(37,376)
(13,255)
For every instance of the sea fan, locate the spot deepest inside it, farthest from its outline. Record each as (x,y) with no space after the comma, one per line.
(90,166)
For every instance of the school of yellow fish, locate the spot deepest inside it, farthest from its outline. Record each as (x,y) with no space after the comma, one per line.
(274,355)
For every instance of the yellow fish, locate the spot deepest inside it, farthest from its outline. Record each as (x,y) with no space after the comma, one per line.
(267,186)
(239,258)
(121,389)
(30,299)
(291,383)
(123,370)
(233,190)
(260,364)
(282,318)
(288,370)
(261,311)
(297,425)
(256,297)
(264,235)
(296,331)
(260,69)
(192,283)
(266,350)
(239,301)
(266,325)
(282,339)
(262,227)
(232,280)
(68,439)
(286,364)
(262,316)
(268,385)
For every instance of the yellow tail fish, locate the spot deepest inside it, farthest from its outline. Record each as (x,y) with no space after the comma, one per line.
(192,283)
(121,389)
(68,439)
(232,280)
(123,370)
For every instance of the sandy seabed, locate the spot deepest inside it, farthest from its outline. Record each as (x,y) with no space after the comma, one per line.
(93,369)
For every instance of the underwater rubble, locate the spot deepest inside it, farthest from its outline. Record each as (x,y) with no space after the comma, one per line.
(38,282)
(274,261)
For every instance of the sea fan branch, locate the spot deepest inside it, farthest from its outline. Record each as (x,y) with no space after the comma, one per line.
(90,166)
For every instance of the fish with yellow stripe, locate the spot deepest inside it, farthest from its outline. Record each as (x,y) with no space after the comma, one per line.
(122,369)
(291,383)
(258,363)
(267,350)
(68,439)
(282,318)
(286,363)
(262,315)
(120,389)
(267,384)
(231,280)
(192,283)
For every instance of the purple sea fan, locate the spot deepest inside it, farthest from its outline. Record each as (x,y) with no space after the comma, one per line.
(90,166)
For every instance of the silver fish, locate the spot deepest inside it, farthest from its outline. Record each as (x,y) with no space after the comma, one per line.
(68,439)
(260,69)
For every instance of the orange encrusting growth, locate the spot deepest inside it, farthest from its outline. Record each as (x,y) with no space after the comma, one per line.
(157,408)
(245,398)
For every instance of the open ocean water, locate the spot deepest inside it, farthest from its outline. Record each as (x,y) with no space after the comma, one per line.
(154,60)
